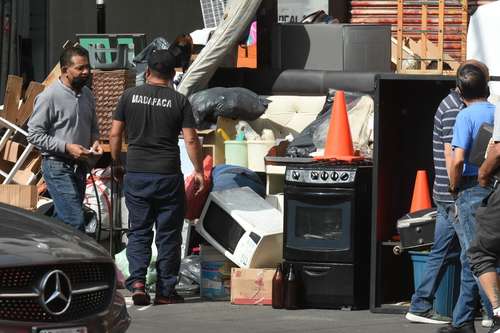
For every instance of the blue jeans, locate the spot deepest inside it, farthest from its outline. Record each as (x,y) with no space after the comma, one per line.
(445,244)
(467,203)
(154,200)
(66,185)
(448,229)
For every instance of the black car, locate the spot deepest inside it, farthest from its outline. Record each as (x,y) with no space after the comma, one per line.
(54,279)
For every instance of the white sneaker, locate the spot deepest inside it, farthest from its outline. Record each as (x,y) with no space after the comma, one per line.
(429,317)
(487,323)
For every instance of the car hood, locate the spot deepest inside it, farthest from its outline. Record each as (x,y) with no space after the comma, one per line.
(27,238)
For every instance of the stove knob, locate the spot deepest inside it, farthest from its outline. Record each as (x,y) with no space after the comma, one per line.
(344,177)
(335,176)
(325,175)
(314,175)
(295,175)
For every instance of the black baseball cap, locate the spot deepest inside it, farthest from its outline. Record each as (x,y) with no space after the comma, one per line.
(162,61)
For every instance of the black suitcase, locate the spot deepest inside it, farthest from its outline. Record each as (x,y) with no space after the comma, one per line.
(480,146)
(416,230)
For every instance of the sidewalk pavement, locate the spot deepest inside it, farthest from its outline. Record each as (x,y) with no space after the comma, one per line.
(197,316)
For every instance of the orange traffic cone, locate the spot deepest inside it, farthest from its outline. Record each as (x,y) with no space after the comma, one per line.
(421,194)
(339,141)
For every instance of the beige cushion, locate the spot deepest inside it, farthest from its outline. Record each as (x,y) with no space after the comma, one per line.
(289,114)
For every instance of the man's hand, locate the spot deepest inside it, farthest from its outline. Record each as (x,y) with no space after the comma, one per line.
(118,172)
(76,151)
(199,181)
(483,179)
(490,165)
(96,149)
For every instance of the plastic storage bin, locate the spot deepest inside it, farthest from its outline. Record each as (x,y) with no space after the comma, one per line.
(257,150)
(236,153)
(449,287)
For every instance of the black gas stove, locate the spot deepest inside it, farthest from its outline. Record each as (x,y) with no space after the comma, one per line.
(325,174)
(327,217)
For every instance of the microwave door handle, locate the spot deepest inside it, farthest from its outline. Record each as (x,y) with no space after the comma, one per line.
(315,271)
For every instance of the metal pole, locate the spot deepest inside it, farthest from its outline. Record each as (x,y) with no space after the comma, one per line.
(101,17)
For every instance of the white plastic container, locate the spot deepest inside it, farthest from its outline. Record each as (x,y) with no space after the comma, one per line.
(257,150)
(236,153)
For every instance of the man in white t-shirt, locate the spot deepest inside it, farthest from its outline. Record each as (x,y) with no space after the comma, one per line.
(482,41)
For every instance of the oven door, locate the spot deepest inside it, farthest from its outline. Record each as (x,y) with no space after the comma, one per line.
(318,224)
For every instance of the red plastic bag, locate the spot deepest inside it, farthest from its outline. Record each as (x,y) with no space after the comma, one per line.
(194,204)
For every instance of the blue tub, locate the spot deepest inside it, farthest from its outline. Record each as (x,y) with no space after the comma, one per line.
(449,287)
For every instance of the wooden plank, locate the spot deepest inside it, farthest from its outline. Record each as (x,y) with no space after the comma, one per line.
(423,36)
(441,35)
(26,108)
(465,21)
(12,97)
(399,64)
(53,76)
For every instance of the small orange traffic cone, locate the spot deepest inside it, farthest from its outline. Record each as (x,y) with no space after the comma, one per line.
(338,143)
(421,194)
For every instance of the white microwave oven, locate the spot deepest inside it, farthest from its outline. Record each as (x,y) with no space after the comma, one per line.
(244,227)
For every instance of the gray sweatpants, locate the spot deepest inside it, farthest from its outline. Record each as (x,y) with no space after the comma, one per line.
(484,252)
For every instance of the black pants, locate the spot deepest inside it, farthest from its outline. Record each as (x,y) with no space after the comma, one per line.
(484,251)
(154,200)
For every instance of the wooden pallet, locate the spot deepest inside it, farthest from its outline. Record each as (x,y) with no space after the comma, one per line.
(427,51)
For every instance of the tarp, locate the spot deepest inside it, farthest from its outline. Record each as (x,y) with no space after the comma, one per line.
(482,40)
(239,15)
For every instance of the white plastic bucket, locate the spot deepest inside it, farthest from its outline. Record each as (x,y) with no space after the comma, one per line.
(257,150)
(236,153)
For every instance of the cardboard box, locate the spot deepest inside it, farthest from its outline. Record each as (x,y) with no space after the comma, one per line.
(12,151)
(23,196)
(252,286)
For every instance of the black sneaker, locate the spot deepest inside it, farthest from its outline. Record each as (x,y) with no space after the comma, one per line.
(429,317)
(465,328)
(496,325)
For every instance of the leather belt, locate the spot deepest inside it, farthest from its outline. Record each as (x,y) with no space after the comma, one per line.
(61,159)
(469,178)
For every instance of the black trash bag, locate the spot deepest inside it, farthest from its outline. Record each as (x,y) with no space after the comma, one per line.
(141,60)
(319,17)
(303,144)
(234,103)
(182,49)
(159,43)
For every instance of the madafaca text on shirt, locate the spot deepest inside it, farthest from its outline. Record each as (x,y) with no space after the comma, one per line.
(153,101)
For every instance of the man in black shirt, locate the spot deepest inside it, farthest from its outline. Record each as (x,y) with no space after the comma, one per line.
(154,115)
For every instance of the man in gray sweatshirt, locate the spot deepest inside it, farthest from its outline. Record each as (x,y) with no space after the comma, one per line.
(64,127)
